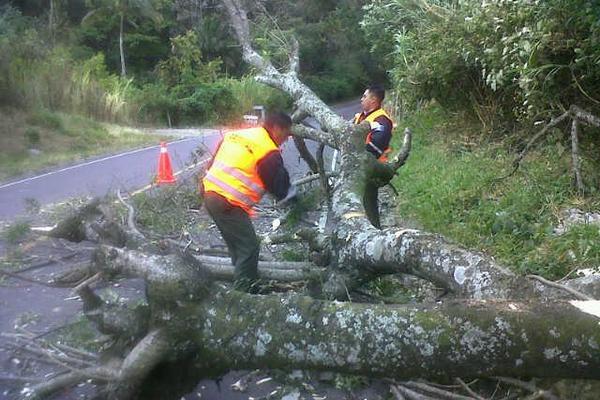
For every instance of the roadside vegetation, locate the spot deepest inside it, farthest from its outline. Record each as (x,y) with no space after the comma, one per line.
(63,73)
(31,141)
(452,184)
(476,81)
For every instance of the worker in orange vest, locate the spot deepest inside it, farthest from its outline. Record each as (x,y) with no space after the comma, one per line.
(247,164)
(378,138)
(377,142)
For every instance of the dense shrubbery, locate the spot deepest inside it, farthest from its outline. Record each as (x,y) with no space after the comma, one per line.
(334,57)
(185,89)
(517,59)
(182,89)
(36,75)
(189,90)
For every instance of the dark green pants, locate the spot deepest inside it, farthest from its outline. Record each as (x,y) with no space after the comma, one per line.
(239,235)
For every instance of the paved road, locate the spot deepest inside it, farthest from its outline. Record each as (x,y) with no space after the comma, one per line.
(127,171)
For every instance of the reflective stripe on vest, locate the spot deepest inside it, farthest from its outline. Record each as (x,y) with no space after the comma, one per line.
(374,124)
(233,173)
(377,149)
(230,189)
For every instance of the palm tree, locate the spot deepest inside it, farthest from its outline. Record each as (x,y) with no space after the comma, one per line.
(125,9)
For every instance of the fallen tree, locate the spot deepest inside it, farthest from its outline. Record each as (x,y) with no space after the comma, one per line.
(492,322)
(189,319)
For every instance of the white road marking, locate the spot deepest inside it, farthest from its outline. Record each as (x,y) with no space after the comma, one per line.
(143,189)
(90,163)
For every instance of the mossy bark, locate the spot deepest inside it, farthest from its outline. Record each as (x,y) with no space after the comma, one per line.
(436,341)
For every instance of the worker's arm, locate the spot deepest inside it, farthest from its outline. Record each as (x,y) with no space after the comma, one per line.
(275,177)
(381,134)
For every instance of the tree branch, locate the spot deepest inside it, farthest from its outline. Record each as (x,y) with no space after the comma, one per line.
(131,218)
(528,386)
(44,389)
(317,135)
(584,116)
(404,152)
(294,57)
(305,154)
(145,356)
(576,293)
(304,98)
(575,156)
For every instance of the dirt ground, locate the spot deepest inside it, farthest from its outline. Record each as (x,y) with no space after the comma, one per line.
(30,306)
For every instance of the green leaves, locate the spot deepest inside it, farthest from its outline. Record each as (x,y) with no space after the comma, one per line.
(185,65)
(530,57)
(454,191)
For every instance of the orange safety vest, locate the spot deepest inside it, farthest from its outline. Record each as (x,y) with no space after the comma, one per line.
(371,119)
(233,172)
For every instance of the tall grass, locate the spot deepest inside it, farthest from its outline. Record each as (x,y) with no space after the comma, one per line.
(450,185)
(98,94)
(248,93)
(35,75)
(57,82)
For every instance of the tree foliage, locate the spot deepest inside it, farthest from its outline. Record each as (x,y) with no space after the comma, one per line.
(124,12)
(182,65)
(522,59)
(335,61)
(185,64)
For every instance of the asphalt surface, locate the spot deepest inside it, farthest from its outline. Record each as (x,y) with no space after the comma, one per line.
(131,170)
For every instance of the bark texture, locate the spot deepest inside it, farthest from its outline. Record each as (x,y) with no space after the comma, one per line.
(434,341)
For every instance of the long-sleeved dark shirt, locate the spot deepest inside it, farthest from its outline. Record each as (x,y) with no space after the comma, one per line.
(381,134)
(274,175)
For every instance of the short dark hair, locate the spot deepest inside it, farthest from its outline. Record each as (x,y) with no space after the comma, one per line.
(377,90)
(277,118)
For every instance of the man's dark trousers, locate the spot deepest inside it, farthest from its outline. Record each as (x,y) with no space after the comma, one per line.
(239,235)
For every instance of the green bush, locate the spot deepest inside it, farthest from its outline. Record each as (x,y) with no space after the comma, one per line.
(187,104)
(166,209)
(46,119)
(187,89)
(331,88)
(32,136)
(544,53)
(16,232)
(514,60)
(247,93)
(205,102)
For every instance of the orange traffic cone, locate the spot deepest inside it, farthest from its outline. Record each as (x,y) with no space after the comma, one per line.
(165,172)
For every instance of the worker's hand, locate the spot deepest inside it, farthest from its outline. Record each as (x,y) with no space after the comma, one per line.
(290,198)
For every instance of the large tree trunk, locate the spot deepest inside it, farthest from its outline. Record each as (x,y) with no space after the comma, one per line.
(52,21)
(433,341)
(189,318)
